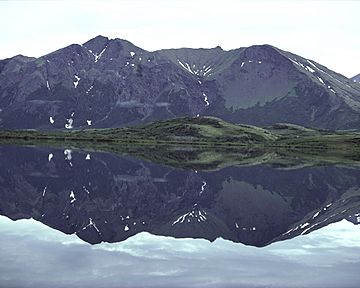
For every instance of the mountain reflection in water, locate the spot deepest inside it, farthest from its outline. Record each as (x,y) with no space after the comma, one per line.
(103,197)
(127,208)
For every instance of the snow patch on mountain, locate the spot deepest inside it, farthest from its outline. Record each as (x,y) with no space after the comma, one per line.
(44,191)
(194,215)
(321,80)
(97,56)
(72,197)
(207,103)
(69,125)
(310,69)
(67,153)
(70,121)
(90,88)
(76,82)
(204,71)
(92,224)
(202,187)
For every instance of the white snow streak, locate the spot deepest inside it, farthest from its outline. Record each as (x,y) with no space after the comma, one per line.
(90,88)
(92,223)
(310,69)
(294,61)
(67,153)
(72,197)
(312,64)
(97,56)
(199,216)
(316,224)
(185,67)
(321,80)
(206,99)
(325,72)
(77,80)
(195,71)
(70,121)
(207,70)
(69,124)
(44,191)
(86,190)
(203,187)
(304,225)
(181,219)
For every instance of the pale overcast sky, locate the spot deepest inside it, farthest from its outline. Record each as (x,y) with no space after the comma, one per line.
(325,31)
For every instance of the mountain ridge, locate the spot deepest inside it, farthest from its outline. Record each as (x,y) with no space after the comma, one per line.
(112,82)
(356,78)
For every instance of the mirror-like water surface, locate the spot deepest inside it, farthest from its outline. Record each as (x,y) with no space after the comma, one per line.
(287,226)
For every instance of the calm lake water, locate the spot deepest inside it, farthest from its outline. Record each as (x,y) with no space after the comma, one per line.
(72,218)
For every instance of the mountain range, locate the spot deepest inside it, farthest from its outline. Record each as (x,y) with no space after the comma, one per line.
(111,83)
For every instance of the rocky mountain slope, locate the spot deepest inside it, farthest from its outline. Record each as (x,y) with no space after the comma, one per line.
(111,82)
(356,78)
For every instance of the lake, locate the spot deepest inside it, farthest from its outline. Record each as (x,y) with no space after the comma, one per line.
(76,218)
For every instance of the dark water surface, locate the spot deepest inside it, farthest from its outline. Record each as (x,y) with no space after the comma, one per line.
(91,219)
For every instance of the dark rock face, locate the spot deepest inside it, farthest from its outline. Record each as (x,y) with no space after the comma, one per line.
(108,83)
(356,78)
(105,197)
